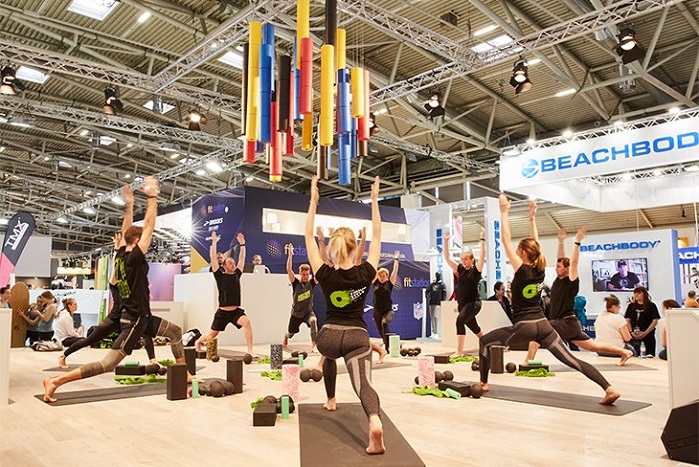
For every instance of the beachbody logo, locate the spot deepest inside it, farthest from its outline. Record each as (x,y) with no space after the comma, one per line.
(532,167)
(498,251)
(689,255)
(620,246)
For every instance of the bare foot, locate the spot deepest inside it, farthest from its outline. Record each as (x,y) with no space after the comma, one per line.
(376,445)
(610,397)
(49,389)
(485,387)
(382,355)
(285,341)
(331,405)
(254,355)
(627,354)
(62,361)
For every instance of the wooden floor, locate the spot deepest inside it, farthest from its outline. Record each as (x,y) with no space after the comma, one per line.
(444,432)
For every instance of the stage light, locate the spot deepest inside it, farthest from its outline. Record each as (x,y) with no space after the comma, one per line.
(434,106)
(628,47)
(520,77)
(195,119)
(9,84)
(112,104)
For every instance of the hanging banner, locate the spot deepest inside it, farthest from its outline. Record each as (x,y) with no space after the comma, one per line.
(19,229)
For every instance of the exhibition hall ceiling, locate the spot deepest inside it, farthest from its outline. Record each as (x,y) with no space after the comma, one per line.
(64,160)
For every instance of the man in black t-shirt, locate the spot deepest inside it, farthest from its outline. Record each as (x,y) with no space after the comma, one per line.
(302,295)
(228,284)
(623,280)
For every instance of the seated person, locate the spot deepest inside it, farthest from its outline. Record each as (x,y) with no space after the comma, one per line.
(667,305)
(611,328)
(64,331)
(691,300)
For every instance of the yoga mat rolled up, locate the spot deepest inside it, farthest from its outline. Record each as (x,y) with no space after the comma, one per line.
(290,381)
(394,344)
(425,368)
(275,356)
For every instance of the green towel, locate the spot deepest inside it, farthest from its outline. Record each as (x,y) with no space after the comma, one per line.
(125,379)
(536,373)
(274,375)
(463,358)
(424,391)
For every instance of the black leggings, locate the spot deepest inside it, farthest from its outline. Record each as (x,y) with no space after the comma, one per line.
(105,329)
(382,319)
(68,341)
(467,317)
(352,343)
(539,330)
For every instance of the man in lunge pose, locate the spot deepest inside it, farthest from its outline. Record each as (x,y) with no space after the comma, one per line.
(302,295)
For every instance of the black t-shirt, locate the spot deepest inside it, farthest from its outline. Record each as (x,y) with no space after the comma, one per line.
(467,285)
(302,298)
(228,287)
(436,293)
(345,293)
(115,312)
(563,292)
(526,293)
(640,318)
(629,282)
(382,295)
(131,274)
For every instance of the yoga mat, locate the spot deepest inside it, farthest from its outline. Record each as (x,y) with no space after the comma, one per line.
(341,368)
(227,353)
(341,437)
(564,400)
(105,394)
(58,368)
(604,367)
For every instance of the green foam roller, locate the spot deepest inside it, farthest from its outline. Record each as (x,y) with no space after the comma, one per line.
(394,344)
(132,363)
(534,362)
(285,407)
(452,393)
(195,388)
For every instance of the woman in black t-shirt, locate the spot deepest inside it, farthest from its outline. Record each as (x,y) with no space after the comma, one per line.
(642,317)
(467,296)
(383,305)
(530,324)
(344,333)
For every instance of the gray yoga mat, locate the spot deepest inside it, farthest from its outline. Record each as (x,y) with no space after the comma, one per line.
(604,367)
(340,438)
(106,394)
(387,363)
(58,368)
(564,400)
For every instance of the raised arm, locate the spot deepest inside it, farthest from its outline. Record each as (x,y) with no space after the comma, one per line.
(213,251)
(375,245)
(150,188)
(573,270)
(481,256)
(562,235)
(321,245)
(289,268)
(127,194)
(394,272)
(447,256)
(241,254)
(515,261)
(118,240)
(360,250)
(312,250)
(533,231)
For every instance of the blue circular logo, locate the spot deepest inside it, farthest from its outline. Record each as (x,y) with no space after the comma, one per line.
(530,168)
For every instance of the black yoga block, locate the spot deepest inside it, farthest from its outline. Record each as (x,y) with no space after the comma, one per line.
(532,367)
(130,370)
(190,358)
(234,373)
(201,354)
(462,388)
(265,414)
(177,381)
(440,358)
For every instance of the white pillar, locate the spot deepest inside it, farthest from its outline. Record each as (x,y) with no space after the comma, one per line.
(495,253)
(5,333)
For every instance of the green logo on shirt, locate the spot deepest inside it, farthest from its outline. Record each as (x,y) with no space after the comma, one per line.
(530,291)
(341,298)
(303,296)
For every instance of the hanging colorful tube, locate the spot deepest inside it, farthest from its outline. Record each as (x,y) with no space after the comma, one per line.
(266,53)
(327,95)
(306,91)
(251,129)
(344,113)
(357,87)
(343,159)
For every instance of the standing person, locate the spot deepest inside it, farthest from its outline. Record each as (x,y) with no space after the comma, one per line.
(40,318)
(63,329)
(501,297)
(662,327)
(131,273)
(642,316)
(302,305)
(611,328)
(467,295)
(228,284)
(530,323)
(383,305)
(344,333)
(436,294)
(564,290)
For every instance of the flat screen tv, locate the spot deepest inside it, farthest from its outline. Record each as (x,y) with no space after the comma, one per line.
(619,275)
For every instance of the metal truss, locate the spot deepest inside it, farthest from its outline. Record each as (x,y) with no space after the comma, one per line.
(157,131)
(465,61)
(65,64)
(655,172)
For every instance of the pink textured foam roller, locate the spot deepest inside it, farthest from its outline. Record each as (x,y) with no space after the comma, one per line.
(291,380)
(425,368)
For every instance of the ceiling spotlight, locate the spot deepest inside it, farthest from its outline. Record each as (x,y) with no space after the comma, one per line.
(112,104)
(434,106)
(520,77)
(9,84)
(628,47)
(373,128)
(195,119)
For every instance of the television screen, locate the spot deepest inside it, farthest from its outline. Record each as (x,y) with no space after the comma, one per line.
(609,275)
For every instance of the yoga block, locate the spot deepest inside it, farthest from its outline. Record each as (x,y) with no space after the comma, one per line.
(265,414)
(290,361)
(394,344)
(276,356)
(440,358)
(234,373)
(130,370)
(462,388)
(201,354)
(532,367)
(177,382)
(190,358)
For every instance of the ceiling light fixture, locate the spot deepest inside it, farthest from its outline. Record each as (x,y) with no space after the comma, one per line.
(520,77)
(195,120)
(434,106)
(112,104)
(628,47)
(9,84)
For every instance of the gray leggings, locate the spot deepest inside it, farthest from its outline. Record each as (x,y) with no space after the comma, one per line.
(352,343)
(113,357)
(539,330)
